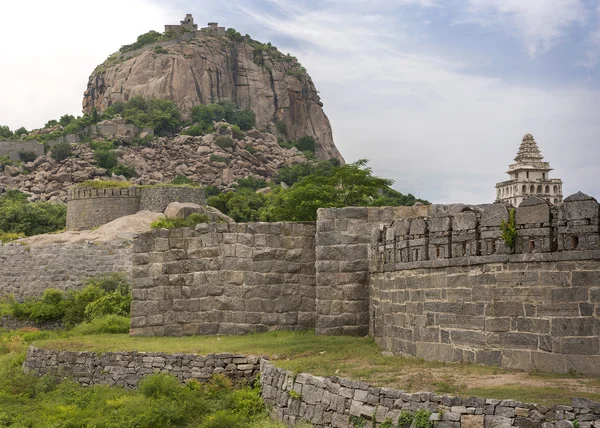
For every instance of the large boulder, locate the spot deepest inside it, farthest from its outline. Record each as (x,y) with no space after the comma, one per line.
(185,209)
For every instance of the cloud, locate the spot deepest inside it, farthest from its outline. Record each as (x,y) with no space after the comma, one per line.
(592,53)
(538,23)
(51,52)
(439,129)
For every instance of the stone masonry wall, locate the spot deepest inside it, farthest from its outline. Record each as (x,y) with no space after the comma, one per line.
(224,279)
(126,369)
(323,402)
(331,402)
(88,208)
(156,198)
(343,239)
(11,149)
(517,312)
(28,270)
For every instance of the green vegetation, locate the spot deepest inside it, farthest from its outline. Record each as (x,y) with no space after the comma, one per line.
(103,296)
(182,180)
(147,39)
(203,116)
(313,186)
(106,157)
(172,223)
(224,142)
(304,144)
(5,132)
(217,158)
(509,230)
(160,50)
(159,114)
(27,156)
(5,161)
(61,151)
(18,216)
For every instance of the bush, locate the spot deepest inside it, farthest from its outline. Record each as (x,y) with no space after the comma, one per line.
(172,223)
(224,142)
(5,161)
(106,159)
(198,129)
(159,385)
(76,303)
(18,216)
(160,50)
(27,156)
(245,119)
(237,132)
(223,419)
(217,158)
(114,303)
(110,283)
(126,171)
(108,324)
(282,128)
(105,184)
(247,403)
(181,179)
(48,308)
(59,152)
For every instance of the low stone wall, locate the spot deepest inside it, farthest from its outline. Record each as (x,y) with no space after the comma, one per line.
(88,208)
(524,312)
(11,323)
(224,279)
(11,149)
(26,271)
(331,402)
(126,369)
(323,402)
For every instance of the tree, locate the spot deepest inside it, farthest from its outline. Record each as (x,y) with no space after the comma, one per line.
(5,132)
(245,119)
(19,216)
(21,131)
(61,151)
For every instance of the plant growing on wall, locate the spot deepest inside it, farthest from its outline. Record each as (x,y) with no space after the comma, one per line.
(509,230)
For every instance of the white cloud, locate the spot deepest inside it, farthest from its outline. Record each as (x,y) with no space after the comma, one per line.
(51,48)
(538,23)
(592,54)
(441,131)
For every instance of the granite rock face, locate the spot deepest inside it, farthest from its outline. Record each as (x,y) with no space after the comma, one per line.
(207,69)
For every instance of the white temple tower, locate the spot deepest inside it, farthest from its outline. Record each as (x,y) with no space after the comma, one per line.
(529,176)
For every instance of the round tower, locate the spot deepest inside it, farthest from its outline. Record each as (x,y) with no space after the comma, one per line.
(529,175)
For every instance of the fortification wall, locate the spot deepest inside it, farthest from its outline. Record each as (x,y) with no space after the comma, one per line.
(224,279)
(11,149)
(343,241)
(157,198)
(28,270)
(88,208)
(446,287)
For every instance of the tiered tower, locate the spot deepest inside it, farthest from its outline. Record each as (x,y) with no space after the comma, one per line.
(529,176)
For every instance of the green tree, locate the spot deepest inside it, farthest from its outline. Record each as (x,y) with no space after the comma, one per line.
(30,218)
(61,151)
(5,132)
(245,119)
(21,131)
(66,120)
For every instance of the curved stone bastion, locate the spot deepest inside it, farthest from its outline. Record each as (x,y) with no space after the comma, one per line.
(323,402)
(88,207)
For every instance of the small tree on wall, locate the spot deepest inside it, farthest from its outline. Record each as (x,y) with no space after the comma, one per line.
(509,230)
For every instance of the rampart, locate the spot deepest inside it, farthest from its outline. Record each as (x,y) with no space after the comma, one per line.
(88,208)
(323,402)
(27,271)
(224,279)
(11,149)
(446,287)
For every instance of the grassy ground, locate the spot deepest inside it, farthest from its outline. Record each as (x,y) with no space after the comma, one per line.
(356,358)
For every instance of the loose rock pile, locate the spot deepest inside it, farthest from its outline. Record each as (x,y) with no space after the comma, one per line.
(256,155)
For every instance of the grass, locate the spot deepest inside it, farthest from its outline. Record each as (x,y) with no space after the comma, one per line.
(105,184)
(354,358)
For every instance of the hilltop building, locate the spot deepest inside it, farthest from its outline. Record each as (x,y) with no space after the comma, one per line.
(529,176)
(186,25)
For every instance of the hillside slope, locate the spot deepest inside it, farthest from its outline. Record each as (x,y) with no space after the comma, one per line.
(209,68)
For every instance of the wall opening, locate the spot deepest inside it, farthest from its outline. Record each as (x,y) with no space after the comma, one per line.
(531,245)
(574,242)
(464,248)
(437,252)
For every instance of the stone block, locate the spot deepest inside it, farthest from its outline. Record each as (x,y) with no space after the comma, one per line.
(472,421)
(492,421)
(549,363)
(516,360)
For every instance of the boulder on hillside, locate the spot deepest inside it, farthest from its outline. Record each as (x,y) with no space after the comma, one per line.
(185,209)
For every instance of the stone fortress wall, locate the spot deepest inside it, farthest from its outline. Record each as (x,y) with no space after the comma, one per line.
(26,271)
(224,279)
(88,208)
(11,149)
(433,281)
(446,287)
(323,402)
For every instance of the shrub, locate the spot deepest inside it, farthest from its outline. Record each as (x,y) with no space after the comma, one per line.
(108,324)
(211,190)
(126,171)
(8,237)
(5,161)
(181,179)
(223,419)
(245,119)
(509,230)
(18,216)
(60,151)
(106,158)
(160,50)
(217,158)
(246,402)
(76,303)
(306,143)
(5,132)
(48,308)
(224,142)
(237,132)
(110,283)
(282,127)
(114,303)
(172,223)
(197,129)
(105,184)
(159,385)
(27,156)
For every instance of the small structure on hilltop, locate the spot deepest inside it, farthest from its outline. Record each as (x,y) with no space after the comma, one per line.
(529,176)
(213,27)
(186,25)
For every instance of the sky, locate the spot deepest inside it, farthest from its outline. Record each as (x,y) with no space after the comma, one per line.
(437,94)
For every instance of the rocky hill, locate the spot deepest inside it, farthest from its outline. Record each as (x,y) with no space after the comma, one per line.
(200,159)
(201,68)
